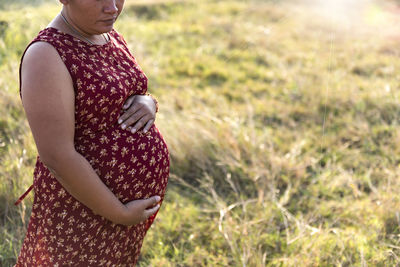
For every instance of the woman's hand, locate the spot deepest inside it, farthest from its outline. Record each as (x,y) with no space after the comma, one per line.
(140,110)
(139,210)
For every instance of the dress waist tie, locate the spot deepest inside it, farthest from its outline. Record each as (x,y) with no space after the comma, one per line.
(23,195)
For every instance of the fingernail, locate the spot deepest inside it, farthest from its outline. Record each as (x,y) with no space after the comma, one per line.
(158,198)
(145,131)
(133,130)
(123,126)
(119,120)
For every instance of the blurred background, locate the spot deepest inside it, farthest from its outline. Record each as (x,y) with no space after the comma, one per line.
(282,120)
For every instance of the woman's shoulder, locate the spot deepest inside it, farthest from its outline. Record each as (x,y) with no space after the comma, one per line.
(49,45)
(42,45)
(43,57)
(40,58)
(42,70)
(41,50)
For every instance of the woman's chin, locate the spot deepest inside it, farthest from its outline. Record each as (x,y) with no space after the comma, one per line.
(107,24)
(104,28)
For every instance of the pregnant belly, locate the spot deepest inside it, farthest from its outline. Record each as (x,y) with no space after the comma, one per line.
(133,166)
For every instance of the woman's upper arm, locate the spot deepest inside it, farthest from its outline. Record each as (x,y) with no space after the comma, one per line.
(48,99)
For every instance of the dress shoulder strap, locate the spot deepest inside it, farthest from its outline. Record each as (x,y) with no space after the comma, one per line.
(55,38)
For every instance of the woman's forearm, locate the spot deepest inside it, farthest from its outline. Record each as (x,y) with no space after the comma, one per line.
(77,176)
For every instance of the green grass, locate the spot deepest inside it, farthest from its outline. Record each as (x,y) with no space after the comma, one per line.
(282,127)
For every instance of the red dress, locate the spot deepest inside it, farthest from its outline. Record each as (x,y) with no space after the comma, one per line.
(62,231)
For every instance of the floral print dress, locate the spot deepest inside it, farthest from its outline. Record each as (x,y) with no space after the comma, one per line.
(62,231)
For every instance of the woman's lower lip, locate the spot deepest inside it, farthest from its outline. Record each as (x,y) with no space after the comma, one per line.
(110,21)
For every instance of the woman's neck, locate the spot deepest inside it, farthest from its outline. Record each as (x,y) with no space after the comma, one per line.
(61,25)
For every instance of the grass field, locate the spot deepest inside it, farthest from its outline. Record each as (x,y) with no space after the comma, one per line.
(282,121)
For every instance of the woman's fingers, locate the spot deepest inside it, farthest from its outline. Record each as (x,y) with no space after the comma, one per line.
(148,205)
(151,201)
(139,124)
(138,115)
(128,102)
(140,210)
(131,114)
(148,125)
(135,121)
(136,109)
(149,212)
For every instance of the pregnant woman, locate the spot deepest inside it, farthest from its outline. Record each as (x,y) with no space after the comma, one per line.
(103,166)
